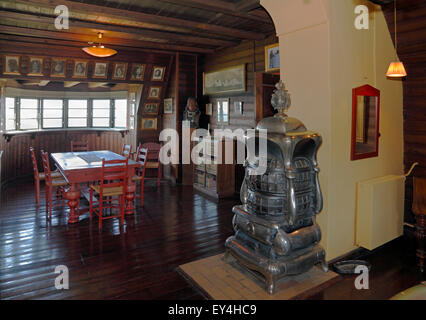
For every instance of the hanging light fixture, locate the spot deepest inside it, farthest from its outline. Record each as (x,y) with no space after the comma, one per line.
(396,69)
(99,50)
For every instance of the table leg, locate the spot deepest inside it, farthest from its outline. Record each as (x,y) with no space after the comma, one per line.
(72,194)
(130,196)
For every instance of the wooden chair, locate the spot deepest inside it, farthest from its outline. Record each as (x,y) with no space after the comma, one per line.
(153,159)
(127,151)
(40,176)
(141,157)
(79,146)
(112,187)
(419,210)
(51,183)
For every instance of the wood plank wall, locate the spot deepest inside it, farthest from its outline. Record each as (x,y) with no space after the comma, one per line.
(182,85)
(251,53)
(412,52)
(16,161)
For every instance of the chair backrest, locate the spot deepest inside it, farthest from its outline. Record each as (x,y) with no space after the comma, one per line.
(114,174)
(46,167)
(79,146)
(419,196)
(34,160)
(141,157)
(127,150)
(153,150)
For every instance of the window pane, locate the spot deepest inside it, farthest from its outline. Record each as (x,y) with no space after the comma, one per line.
(28,113)
(52,113)
(28,103)
(29,124)
(10,114)
(101,104)
(120,113)
(77,122)
(77,113)
(104,113)
(52,123)
(52,104)
(101,122)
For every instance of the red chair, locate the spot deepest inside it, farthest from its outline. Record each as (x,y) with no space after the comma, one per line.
(141,157)
(127,151)
(153,159)
(112,187)
(40,176)
(51,183)
(79,146)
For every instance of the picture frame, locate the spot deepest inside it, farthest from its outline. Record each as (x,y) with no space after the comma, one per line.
(79,69)
(154,92)
(11,64)
(168,106)
(228,80)
(150,108)
(149,124)
(209,109)
(158,73)
(272,57)
(119,71)
(238,107)
(58,67)
(35,66)
(100,70)
(137,71)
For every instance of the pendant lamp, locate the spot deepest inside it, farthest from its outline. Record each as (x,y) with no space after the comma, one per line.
(396,69)
(99,50)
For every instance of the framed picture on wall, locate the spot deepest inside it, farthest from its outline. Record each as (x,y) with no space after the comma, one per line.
(35,66)
(119,71)
(11,65)
(100,71)
(80,69)
(150,108)
(168,105)
(158,73)
(222,111)
(137,71)
(154,92)
(149,123)
(272,57)
(231,79)
(58,67)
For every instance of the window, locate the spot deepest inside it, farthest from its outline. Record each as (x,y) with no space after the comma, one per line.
(28,114)
(120,113)
(77,113)
(52,113)
(10,114)
(101,113)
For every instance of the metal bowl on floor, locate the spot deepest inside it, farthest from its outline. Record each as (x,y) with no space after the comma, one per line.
(349,266)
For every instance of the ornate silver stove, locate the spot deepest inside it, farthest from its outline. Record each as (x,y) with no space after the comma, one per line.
(275,229)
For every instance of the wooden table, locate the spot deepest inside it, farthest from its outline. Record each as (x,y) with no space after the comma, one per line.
(81,167)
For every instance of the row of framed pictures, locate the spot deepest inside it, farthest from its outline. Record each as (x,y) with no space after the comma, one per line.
(151,108)
(12,63)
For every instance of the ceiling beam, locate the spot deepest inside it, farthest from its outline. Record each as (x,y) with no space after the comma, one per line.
(116,28)
(248,5)
(93,85)
(43,83)
(74,39)
(226,8)
(104,11)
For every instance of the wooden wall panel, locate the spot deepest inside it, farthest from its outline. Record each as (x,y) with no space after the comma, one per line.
(16,161)
(412,52)
(252,54)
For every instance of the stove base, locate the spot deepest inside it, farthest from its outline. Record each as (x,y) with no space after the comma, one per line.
(274,270)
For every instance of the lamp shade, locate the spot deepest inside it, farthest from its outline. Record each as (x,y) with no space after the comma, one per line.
(99,51)
(396,70)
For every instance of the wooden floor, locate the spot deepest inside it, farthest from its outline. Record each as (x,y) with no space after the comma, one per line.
(139,260)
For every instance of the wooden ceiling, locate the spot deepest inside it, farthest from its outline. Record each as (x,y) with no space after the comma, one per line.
(197,26)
